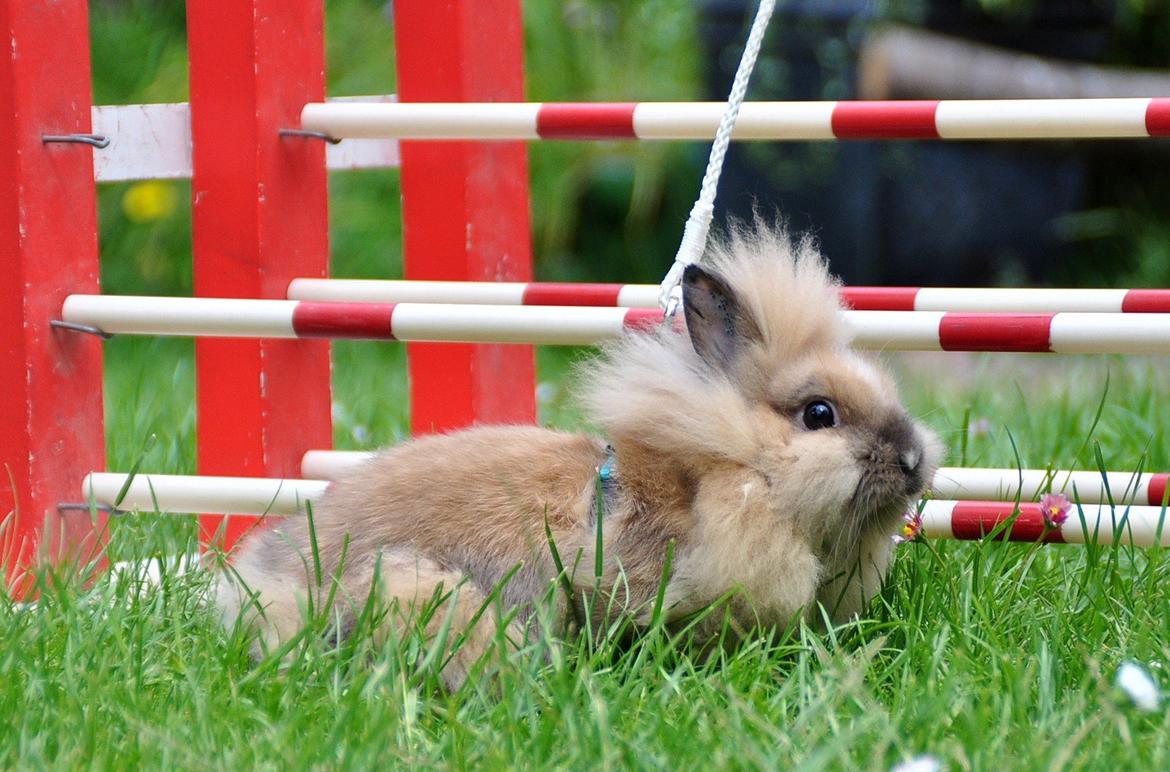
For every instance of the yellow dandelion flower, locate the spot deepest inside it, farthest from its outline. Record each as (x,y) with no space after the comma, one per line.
(149,200)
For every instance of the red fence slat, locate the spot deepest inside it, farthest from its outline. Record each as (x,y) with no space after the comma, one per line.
(51,393)
(260,219)
(465,205)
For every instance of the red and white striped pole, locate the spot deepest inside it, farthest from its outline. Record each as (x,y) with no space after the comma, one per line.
(973,299)
(1087,487)
(1064,333)
(945,119)
(1141,526)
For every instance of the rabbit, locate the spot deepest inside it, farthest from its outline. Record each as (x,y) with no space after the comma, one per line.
(772,461)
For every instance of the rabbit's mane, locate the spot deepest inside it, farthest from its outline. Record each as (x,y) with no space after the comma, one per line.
(654,390)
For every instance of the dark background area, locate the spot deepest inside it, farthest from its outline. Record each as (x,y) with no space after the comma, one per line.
(947,212)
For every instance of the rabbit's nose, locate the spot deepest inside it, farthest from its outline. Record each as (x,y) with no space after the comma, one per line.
(909,460)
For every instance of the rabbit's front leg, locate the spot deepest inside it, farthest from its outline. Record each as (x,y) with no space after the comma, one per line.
(741,549)
(850,582)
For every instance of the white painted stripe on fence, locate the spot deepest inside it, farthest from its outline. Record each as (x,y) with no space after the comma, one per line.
(1015,300)
(1041,118)
(362,154)
(146,315)
(211,495)
(153,141)
(1080,333)
(146,142)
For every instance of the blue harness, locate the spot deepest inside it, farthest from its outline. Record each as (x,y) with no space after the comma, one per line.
(605,498)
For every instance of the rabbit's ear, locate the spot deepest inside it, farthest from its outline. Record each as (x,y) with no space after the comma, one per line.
(719,325)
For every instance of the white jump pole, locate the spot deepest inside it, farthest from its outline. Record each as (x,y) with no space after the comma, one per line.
(949,482)
(971,299)
(942,519)
(330,464)
(210,495)
(1084,486)
(230,317)
(1065,333)
(826,120)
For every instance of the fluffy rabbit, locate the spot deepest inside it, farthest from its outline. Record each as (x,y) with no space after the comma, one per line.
(777,460)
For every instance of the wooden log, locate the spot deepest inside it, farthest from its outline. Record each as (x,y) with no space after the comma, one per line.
(898,62)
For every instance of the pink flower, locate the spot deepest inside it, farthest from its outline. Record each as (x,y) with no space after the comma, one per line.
(980,427)
(911,527)
(1054,508)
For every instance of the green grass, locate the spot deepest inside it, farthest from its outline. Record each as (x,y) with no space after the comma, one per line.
(974,653)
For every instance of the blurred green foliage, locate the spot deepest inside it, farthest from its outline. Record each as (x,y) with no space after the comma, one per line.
(610,211)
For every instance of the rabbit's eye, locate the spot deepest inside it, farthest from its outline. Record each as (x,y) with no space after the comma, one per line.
(819,414)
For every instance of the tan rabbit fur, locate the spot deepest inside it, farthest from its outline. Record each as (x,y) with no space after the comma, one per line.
(776,459)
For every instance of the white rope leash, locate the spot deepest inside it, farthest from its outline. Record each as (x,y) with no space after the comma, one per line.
(694,239)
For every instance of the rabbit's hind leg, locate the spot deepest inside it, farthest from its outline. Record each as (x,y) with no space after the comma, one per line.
(456,615)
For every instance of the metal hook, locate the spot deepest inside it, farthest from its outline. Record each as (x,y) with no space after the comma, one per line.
(96,140)
(306,134)
(75,327)
(84,506)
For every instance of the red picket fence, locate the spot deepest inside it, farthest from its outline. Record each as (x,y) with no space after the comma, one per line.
(260,219)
